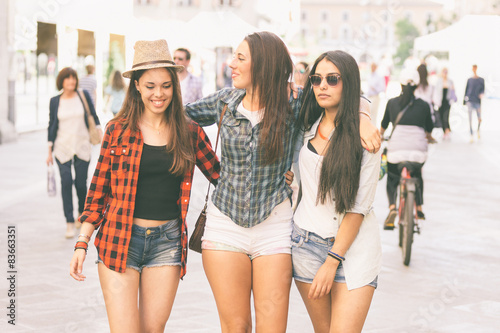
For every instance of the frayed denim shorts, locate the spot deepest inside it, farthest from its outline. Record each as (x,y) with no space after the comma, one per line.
(154,247)
(309,252)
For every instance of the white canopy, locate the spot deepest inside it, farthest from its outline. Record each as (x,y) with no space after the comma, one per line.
(475,39)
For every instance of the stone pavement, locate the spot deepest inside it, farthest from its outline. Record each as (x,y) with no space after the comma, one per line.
(451,285)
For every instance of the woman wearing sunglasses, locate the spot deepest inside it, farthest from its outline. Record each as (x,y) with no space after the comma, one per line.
(246,243)
(335,240)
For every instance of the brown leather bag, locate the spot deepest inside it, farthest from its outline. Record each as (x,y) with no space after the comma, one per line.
(199,228)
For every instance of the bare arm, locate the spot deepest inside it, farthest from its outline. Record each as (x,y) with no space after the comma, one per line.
(323,280)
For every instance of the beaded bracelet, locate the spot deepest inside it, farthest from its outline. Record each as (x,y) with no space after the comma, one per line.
(85,236)
(366,114)
(336,256)
(82,241)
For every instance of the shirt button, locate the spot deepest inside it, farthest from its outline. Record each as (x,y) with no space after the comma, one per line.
(185,200)
(124,150)
(112,152)
(187,183)
(148,232)
(335,218)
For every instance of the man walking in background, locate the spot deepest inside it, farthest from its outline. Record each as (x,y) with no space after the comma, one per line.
(474,92)
(89,83)
(191,86)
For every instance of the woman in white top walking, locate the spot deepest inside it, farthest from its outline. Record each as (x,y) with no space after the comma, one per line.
(69,141)
(336,247)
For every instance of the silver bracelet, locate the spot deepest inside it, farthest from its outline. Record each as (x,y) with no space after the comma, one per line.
(82,235)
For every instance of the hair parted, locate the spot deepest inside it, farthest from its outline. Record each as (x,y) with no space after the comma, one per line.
(271,69)
(340,172)
(179,141)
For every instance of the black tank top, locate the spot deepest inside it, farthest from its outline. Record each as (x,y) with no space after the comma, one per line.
(157,189)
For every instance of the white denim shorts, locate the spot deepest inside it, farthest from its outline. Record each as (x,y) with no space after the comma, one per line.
(272,236)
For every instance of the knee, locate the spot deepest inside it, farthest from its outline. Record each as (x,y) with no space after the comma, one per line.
(237,325)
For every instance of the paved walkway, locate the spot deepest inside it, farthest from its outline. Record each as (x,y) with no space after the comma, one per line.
(451,285)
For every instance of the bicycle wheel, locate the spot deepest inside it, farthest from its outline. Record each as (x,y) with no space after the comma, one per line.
(401,219)
(407,227)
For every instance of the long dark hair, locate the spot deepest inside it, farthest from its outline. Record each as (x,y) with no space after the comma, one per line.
(422,73)
(340,172)
(117,82)
(271,68)
(179,142)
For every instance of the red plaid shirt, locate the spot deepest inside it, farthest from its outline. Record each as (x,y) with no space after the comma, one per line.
(111,197)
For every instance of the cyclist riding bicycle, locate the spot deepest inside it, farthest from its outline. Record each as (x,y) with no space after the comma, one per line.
(408,141)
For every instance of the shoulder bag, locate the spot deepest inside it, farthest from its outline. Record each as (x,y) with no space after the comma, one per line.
(195,240)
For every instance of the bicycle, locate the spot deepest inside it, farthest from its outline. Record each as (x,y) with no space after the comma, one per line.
(407,214)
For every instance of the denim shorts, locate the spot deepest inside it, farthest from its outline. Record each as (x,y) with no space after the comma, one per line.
(154,247)
(309,252)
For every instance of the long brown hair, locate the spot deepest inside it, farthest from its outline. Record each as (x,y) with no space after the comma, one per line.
(271,69)
(179,142)
(340,172)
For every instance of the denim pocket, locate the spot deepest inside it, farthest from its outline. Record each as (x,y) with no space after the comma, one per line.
(297,239)
(172,233)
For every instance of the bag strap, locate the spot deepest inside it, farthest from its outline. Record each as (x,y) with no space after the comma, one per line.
(84,101)
(215,150)
(400,115)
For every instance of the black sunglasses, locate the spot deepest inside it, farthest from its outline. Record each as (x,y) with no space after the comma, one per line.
(331,79)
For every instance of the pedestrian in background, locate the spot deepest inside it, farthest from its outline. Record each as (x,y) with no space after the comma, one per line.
(376,86)
(89,83)
(444,95)
(191,86)
(474,92)
(301,73)
(115,92)
(139,195)
(246,244)
(69,141)
(336,250)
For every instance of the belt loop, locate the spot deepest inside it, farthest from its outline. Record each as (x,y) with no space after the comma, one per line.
(307,236)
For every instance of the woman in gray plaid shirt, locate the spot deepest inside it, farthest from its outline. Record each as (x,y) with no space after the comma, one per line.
(246,244)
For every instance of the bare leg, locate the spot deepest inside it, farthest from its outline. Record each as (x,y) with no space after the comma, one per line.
(319,310)
(120,296)
(158,287)
(349,308)
(272,279)
(230,277)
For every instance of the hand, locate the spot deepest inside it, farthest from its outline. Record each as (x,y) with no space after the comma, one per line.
(323,280)
(370,135)
(289,177)
(50,160)
(295,88)
(76,265)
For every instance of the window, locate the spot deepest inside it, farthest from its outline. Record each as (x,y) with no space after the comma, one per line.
(325,16)
(303,15)
(143,2)
(345,16)
(185,3)
(345,32)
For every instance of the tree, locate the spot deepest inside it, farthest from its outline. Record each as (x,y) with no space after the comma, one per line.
(406,33)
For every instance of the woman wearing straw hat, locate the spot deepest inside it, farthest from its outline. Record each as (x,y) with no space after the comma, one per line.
(139,195)
(246,244)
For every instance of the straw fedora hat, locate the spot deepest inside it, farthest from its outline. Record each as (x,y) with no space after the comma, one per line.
(151,54)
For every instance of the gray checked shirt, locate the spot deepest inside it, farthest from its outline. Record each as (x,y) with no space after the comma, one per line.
(248,189)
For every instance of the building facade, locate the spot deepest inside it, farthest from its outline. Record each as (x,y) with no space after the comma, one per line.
(365,28)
